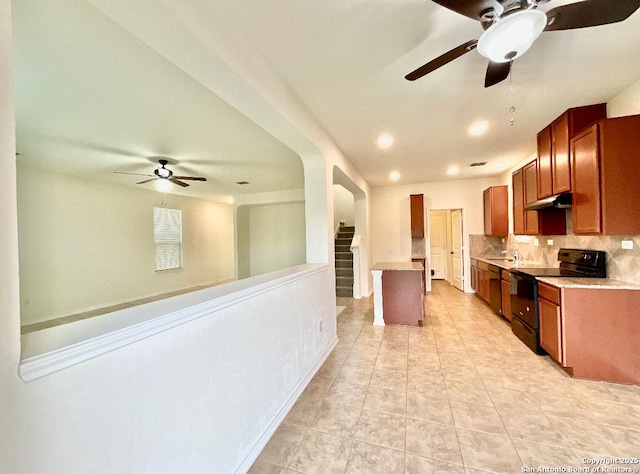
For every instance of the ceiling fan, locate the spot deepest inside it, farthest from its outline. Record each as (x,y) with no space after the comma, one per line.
(511,27)
(165,173)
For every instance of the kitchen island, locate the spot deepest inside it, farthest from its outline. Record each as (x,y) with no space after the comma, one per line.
(398,293)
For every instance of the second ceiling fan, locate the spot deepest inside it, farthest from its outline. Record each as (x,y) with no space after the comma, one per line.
(511,27)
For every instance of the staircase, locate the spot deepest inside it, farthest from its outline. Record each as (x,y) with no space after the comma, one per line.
(344,261)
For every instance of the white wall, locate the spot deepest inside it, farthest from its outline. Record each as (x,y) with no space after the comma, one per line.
(626,102)
(391,225)
(86,245)
(276,236)
(343,206)
(201,397)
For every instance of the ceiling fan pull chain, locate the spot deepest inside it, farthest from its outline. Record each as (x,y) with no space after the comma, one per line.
(512,109)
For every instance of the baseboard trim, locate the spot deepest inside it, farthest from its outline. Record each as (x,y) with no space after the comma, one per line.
(253,454)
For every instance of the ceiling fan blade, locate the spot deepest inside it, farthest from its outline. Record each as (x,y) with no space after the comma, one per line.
(135,174)
(192,178)
(590,13)
(471,8)
(175,180)
(147,180)
(496,72)
(442,60)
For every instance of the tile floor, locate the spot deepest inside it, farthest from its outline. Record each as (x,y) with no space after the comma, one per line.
(460,394)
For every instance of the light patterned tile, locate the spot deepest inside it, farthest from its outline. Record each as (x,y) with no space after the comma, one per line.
(532,426)
(420,465)
(383,429)
(488,452)
(355,375)
(337,418)
(433,440)
(535,455)
(263,467)
(389,401)
(426,407)
(283,445)
(367,458)
(477,417)
(347,394)
(321,453)
(389,379)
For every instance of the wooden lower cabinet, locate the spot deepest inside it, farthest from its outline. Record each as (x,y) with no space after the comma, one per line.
(593,333)
(474,275)
(550,320)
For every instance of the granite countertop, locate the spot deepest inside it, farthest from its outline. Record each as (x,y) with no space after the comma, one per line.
(508,264)
(593,283)
(406,266)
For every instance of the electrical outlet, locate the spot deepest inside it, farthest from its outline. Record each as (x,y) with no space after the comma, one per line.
(320,325)
(627,244)
(536,242)
(549,242)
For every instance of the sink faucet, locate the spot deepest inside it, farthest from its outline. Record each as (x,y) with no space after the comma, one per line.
(515,253)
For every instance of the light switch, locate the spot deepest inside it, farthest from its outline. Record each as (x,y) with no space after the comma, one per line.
(627,244)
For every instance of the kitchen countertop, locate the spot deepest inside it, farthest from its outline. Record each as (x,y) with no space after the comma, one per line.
(399,266)
(508,265)
(594,283)
(562,282)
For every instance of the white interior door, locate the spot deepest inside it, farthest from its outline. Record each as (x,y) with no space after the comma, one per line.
(437,239)
(456,249)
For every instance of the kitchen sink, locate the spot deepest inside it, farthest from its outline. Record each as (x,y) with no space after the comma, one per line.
(501,259)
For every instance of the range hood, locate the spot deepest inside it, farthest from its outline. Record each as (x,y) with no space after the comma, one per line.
(559,201)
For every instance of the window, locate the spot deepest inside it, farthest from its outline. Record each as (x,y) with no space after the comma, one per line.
(167,233)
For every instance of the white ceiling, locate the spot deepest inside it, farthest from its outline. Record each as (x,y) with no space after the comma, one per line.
(344,60)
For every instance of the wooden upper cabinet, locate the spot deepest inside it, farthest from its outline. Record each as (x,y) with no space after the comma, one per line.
(517,185)
(496,212)
(530,195)
(542,222)
(554,148)
(561,172)
(543,163)
(417,215)
(605,160)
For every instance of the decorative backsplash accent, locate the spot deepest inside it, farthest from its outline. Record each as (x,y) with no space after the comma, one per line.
(622,265)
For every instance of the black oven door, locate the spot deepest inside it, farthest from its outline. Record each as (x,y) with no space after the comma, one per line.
(524,299)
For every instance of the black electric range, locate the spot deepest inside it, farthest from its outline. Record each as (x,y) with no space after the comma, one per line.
(524,289)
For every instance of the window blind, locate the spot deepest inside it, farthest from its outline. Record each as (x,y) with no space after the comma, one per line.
(167,233)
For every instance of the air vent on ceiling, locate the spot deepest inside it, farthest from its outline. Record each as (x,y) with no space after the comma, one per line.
(480,163)
(242,182)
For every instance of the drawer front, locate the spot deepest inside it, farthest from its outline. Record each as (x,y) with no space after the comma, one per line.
(505,274)
(549,293)
(483,266)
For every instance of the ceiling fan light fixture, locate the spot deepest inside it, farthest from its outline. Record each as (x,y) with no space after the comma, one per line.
(511,36)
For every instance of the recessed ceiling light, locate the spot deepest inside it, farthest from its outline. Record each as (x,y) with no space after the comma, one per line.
(501,165)
(453,170)
(478,128)
(394,176)
(385,141)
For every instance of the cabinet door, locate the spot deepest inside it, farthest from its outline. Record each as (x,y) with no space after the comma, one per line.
(586,208)
(506,299)
(517,183)
(474,278)
(550,328)
(561,171)
(496,211)
(530,195)
(417,215)
(544,184)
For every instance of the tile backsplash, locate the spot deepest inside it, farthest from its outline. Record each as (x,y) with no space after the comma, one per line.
(623,265)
